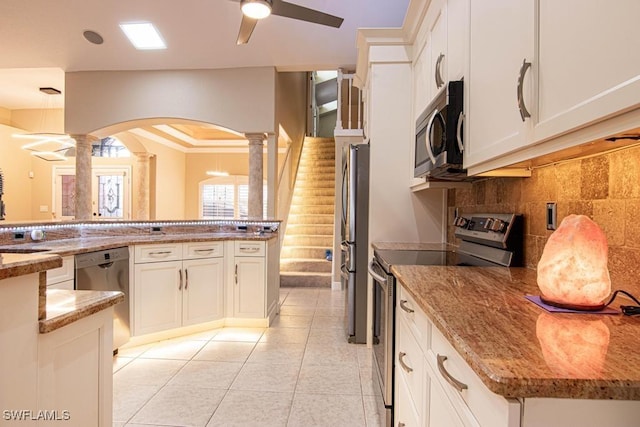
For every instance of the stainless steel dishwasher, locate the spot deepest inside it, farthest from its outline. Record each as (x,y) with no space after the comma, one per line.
(108,270)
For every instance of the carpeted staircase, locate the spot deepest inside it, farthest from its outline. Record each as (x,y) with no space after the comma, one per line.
(309,232)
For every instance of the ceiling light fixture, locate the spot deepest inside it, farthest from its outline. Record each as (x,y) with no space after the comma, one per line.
(217,173)
(143,35)
(256,9)
(48,146)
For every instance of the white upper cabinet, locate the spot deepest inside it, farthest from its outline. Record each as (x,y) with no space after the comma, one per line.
(589,62)
(422,75)
(439,54)
(540,69)
(457,38)
(499,89)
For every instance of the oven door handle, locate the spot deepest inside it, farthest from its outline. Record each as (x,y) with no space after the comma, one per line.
(375,275)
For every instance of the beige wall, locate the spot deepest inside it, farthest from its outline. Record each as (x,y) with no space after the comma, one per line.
(15,164)
(242,99)
(606,188)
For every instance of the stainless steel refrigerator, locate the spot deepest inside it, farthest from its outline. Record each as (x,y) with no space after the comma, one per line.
(355,239)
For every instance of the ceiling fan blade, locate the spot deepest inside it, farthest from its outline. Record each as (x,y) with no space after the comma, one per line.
(290,10)
(246,28)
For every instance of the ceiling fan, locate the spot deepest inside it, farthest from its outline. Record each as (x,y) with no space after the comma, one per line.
(254,10)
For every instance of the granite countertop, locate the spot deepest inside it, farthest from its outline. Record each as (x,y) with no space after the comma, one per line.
(517,348)
(14,265)
(65,307)
(65,247)
(399,246)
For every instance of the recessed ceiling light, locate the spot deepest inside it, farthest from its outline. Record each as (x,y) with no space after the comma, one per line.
(143,35)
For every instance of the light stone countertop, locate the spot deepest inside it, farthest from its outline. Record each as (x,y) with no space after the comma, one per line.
(80,304)
(399,246)
(517,348)
(65,307)
(65,247)
(14,265)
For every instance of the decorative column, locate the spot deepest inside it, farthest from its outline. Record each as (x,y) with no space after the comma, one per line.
(256,141)
(83,176)
(142,185)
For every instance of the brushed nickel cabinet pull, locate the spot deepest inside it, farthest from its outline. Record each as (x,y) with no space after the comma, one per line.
(458,385)
(524,113)
(204,251)
(236,274)
(180,284)
(403,305)
(402,364)
(249,249)
(438,76)
(186,279)
(400,424)
(159,253)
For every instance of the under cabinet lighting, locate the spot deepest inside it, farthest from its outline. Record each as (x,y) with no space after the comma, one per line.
(143,35)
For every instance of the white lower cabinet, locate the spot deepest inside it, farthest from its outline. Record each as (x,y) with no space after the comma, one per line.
(171,294)
(249,290)
(434,386)
(75,372)
(62,277)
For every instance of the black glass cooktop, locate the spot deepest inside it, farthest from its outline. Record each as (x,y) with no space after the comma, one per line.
(387,258)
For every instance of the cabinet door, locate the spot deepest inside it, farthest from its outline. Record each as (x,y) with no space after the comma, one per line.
(249,287)
(500,40)
(406,414)
(157,296)
(589,66)
(422,77)
(439,55)
(457,38)
(202,297)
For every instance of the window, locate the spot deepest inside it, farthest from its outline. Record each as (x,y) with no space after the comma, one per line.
(227,197)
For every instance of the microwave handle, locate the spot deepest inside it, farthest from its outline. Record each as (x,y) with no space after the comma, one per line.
(430,136)
(459,132)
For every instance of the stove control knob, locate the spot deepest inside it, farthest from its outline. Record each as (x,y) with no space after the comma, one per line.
(498,225)
(488,223)
(460,221)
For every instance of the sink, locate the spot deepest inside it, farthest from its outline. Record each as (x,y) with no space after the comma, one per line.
(21,251)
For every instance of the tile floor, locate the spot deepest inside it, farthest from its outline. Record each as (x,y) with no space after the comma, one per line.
(298,372)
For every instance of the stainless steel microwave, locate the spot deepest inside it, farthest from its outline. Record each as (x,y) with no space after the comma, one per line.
(439,141)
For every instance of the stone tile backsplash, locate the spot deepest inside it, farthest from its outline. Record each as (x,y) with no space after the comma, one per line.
(606,188)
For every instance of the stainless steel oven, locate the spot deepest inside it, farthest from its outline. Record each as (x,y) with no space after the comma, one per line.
(384,285)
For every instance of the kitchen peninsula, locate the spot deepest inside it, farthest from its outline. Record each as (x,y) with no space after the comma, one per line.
(499,360)
(57,344)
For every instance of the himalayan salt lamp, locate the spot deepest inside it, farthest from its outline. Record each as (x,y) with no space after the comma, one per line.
(572,271)
(573,348)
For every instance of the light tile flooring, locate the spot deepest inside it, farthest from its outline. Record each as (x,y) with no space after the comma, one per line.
(298,372)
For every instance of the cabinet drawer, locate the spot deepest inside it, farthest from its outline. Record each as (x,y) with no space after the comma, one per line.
(410,363)
(157,253)
(62,274)
(487,407)
(415,318)
(245,248)
(203,250)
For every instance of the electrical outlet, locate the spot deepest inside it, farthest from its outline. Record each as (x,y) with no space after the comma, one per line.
(552,216)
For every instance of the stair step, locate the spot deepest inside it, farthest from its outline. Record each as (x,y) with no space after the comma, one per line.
(308,240)
(305,280)
(316,199)
(296,265)
(313,252)
(318,229)
(310,219)
(318,183)
(318,156)
(316,162)
(312,210)
(312,192)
